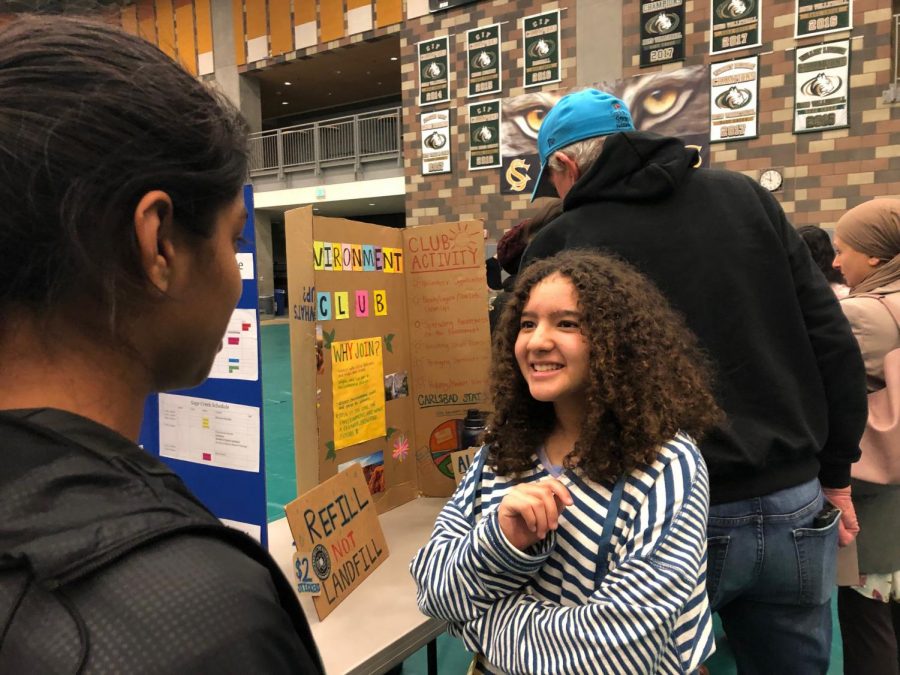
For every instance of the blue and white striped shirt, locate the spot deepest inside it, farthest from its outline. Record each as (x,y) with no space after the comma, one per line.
(541,611)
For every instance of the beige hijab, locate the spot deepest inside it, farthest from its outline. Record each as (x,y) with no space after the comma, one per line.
(873,228)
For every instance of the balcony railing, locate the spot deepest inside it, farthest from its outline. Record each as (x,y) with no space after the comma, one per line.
(351,140)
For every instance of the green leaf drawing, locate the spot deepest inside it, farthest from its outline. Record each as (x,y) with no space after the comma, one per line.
(388,339)
(328,338)
(331,454)
(390,432)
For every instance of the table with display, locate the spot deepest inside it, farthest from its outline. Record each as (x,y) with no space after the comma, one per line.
(379,624)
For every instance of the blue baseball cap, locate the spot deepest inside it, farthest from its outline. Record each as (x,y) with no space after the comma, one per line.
(576,117)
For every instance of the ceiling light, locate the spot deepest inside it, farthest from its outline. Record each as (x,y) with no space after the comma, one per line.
(288,84)
(284,103)
(393,58)
(371,203)
(337,72)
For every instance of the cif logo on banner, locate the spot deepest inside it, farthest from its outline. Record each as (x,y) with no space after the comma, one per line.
(519,174)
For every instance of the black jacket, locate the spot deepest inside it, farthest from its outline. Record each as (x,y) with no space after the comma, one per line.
(789,374)
(109,564)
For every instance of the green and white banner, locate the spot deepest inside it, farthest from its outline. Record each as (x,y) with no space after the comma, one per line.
(435,142)
(734,100)
(540,44)
(662,32)
(821,87)
(434,75)
(484,135)
(815,17)
(735,25)
(483,60)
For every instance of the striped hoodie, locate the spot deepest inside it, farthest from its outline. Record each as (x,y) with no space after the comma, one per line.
(542,611)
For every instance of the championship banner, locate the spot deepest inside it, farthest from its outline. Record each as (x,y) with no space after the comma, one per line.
(434,71)
(484,135)
(435,142)
(734,100)
(821,79)
(483,60)
(814,17)
(735,25)
(540,45)
(672,103)
(662,32)
(441,5)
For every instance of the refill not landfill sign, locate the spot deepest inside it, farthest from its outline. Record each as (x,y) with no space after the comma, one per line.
(735,25)
(815,17)
(484,135)
(541,45)
(434,78)
(483,59)
(338,537)
(662,32)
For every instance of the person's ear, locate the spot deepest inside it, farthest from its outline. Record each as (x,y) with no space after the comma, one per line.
(153,230)
(569,165)
(874,262)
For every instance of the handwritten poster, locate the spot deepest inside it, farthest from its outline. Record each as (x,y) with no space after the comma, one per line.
(357,378)
(450,350)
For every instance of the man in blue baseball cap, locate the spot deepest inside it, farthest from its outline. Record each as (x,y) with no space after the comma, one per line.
(789,374)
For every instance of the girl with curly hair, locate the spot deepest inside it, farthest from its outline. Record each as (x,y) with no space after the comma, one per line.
(576,542)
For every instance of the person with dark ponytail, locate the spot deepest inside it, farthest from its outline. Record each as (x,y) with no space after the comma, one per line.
(822,251)
(120,188)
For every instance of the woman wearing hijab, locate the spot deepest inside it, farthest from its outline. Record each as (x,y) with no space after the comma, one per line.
(867,246)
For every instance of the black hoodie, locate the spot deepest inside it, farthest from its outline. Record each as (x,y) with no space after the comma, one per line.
(788,371)
(109,564)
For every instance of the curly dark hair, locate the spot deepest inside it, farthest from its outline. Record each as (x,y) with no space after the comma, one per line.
(822,251)
(648,377)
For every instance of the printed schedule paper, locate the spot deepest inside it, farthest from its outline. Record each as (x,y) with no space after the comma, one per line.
(239,357)
(204,431)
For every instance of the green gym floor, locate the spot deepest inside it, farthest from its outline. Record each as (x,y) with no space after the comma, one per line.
(281,487)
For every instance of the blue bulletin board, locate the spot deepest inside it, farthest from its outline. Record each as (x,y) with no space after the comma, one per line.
(212,435)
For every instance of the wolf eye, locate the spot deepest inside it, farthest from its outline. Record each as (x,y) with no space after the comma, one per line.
(534,117)
(659,101)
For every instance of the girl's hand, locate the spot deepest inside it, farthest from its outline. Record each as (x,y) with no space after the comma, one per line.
(529,511)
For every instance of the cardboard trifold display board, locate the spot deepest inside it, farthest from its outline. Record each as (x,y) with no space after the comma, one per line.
(390,350)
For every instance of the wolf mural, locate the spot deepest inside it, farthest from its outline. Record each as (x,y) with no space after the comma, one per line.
(674,103)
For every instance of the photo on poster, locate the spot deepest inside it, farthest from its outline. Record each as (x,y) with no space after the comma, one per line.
(484,135)
(540,47)
(821,87)
(373,470)
(662,32)
(434,71)
(396,385)
(734,100)
(435,142)
(814,17)
(483,61)
(735,25)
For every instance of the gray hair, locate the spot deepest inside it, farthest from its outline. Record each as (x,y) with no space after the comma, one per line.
(584,153)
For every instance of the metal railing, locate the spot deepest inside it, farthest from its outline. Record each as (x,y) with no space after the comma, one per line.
(350,140)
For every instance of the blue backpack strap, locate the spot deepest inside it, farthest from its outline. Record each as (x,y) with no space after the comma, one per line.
(609,525)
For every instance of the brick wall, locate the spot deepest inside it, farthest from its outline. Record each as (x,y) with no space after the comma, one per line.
(825,172)
(465,194)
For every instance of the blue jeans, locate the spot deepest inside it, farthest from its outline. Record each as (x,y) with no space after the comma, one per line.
(770,577)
